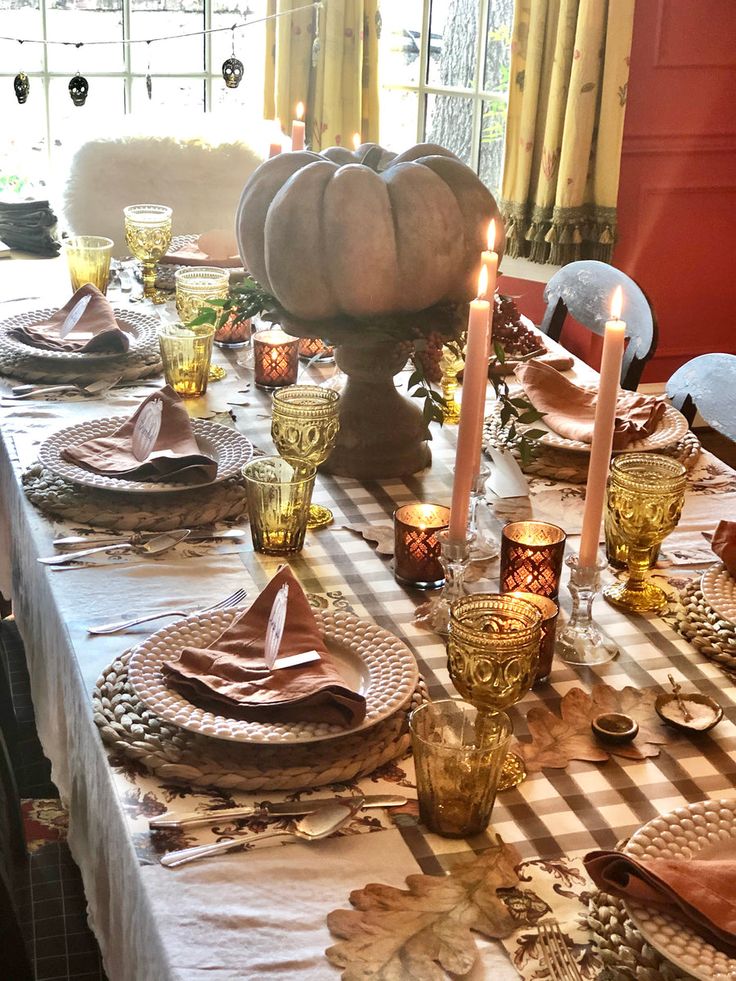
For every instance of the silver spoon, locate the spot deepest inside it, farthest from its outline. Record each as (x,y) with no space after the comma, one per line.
(33,391)
(154,546)
(319,824)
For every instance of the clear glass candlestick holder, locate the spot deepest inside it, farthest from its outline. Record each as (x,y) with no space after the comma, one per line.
(582,641)
(455,556)
(484,546)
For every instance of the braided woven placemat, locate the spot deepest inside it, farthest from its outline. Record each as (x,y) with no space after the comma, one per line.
(699,623)
(573,467)
(625,954)
(133,512)
(172,753)
(142,363)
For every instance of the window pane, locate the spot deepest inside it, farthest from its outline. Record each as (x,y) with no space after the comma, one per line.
(401,27)
(250,48)
(174,57)
(398,119)
(182,99)
(493,132)
(452,43)
(66,22)
(498,45)
(449,122)
(23,22)
(23,158)
(71,125)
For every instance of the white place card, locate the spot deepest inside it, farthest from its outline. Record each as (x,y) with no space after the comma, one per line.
(506,478)
(275,628)
(74,316)
(147,428)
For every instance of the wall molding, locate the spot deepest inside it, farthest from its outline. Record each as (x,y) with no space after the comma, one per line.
(677,144)
(658,60)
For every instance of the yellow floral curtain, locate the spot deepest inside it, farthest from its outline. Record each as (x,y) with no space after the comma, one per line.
(567,99)
(326,58)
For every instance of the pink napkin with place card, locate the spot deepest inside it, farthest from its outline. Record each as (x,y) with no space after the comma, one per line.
(231,677)
(569,410)
(216,248)
(156,442)
(85,324)
(723,544)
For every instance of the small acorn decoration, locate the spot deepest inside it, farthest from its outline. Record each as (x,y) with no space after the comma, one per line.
(79,89)
(22,86)
(232,72)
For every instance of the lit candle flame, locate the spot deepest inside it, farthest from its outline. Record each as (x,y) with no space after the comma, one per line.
(300,110)
(482,282)
(491,235)
(617,302)
(356,140)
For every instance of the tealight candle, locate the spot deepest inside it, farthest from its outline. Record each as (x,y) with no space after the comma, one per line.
(416,548)
(550,611)
(531,558)
(275,358)
(311,348)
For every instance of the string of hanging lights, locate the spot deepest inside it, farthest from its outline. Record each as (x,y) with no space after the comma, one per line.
(232,68)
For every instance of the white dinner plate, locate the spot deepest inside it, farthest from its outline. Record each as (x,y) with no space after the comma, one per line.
(706,829)
(719,591)
(371,660)
(226,446)
(142,329)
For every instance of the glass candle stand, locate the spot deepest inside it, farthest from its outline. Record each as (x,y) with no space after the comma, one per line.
(455,557)
(531,558)
(275,359)
(581,641)
(417,559)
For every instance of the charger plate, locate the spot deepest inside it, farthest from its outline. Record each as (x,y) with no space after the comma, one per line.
(719,591)
(227,446)
(706,829)
(371,660)
(142,328)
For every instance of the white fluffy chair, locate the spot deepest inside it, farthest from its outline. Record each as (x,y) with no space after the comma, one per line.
(199,176)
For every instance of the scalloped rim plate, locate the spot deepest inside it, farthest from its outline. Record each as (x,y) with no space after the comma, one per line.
(227,446)
(719,591)
(371,660)
(684,833)
(142,327)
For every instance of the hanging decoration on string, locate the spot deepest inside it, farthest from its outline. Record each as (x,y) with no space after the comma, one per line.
(22,86)
(149,83)
(79,89)
(232,67)
(316,44)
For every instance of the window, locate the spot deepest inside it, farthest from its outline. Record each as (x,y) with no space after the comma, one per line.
(445,78)
(185,73)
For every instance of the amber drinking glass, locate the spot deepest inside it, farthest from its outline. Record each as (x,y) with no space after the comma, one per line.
(645,497)
(194,287)
(458,756)
(304,425)
(88,258)
(186,353)
(148,234)
(279,493)
(492,655)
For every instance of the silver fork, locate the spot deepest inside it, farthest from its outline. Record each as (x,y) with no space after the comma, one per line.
(112,628)
(556,954)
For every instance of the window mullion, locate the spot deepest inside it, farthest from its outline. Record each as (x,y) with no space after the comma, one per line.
(478,84)
(46,82)
(127,58)
(423,70)
(208,55)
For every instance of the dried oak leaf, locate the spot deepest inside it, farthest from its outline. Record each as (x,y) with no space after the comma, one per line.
(425,930)
(381,535)
(556,740)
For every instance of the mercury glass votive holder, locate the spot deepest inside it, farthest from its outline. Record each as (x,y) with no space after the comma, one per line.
(279,493)
(531,558)
(194,287)
(88,258)
(186,353)
(315,349)
(417,559)
(275,359)
(550,612)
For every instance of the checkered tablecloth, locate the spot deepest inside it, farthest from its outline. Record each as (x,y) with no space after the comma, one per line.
(559,811)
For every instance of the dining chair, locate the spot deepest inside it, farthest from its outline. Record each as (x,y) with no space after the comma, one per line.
(707,385)
(584,290)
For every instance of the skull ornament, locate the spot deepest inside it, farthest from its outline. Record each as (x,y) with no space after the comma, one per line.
(78,89)
(22,86)
(232,72)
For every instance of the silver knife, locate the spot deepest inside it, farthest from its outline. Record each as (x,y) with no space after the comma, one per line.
(264,809)
(200,535)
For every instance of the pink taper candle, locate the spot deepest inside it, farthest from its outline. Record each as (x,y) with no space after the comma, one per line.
(297,128)
(475,379)
(489,262)
(605,417)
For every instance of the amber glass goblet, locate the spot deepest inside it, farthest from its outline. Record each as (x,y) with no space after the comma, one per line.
(148,234)
(304,426)
(645,497)
(492,656)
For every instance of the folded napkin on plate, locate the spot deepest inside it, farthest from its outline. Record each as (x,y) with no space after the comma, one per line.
(701,891)
(723,544)
(174,451)
(216,248)
(96,330)
(570,411)
(230,676)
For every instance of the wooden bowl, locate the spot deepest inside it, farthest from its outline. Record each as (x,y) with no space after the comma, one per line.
(666,698)
(614,727)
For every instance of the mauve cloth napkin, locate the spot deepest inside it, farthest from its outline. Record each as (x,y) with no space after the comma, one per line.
(216,248)
(230,676)
(703,892)
(175,452)
(570,411)
(723,544)
(96,330)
